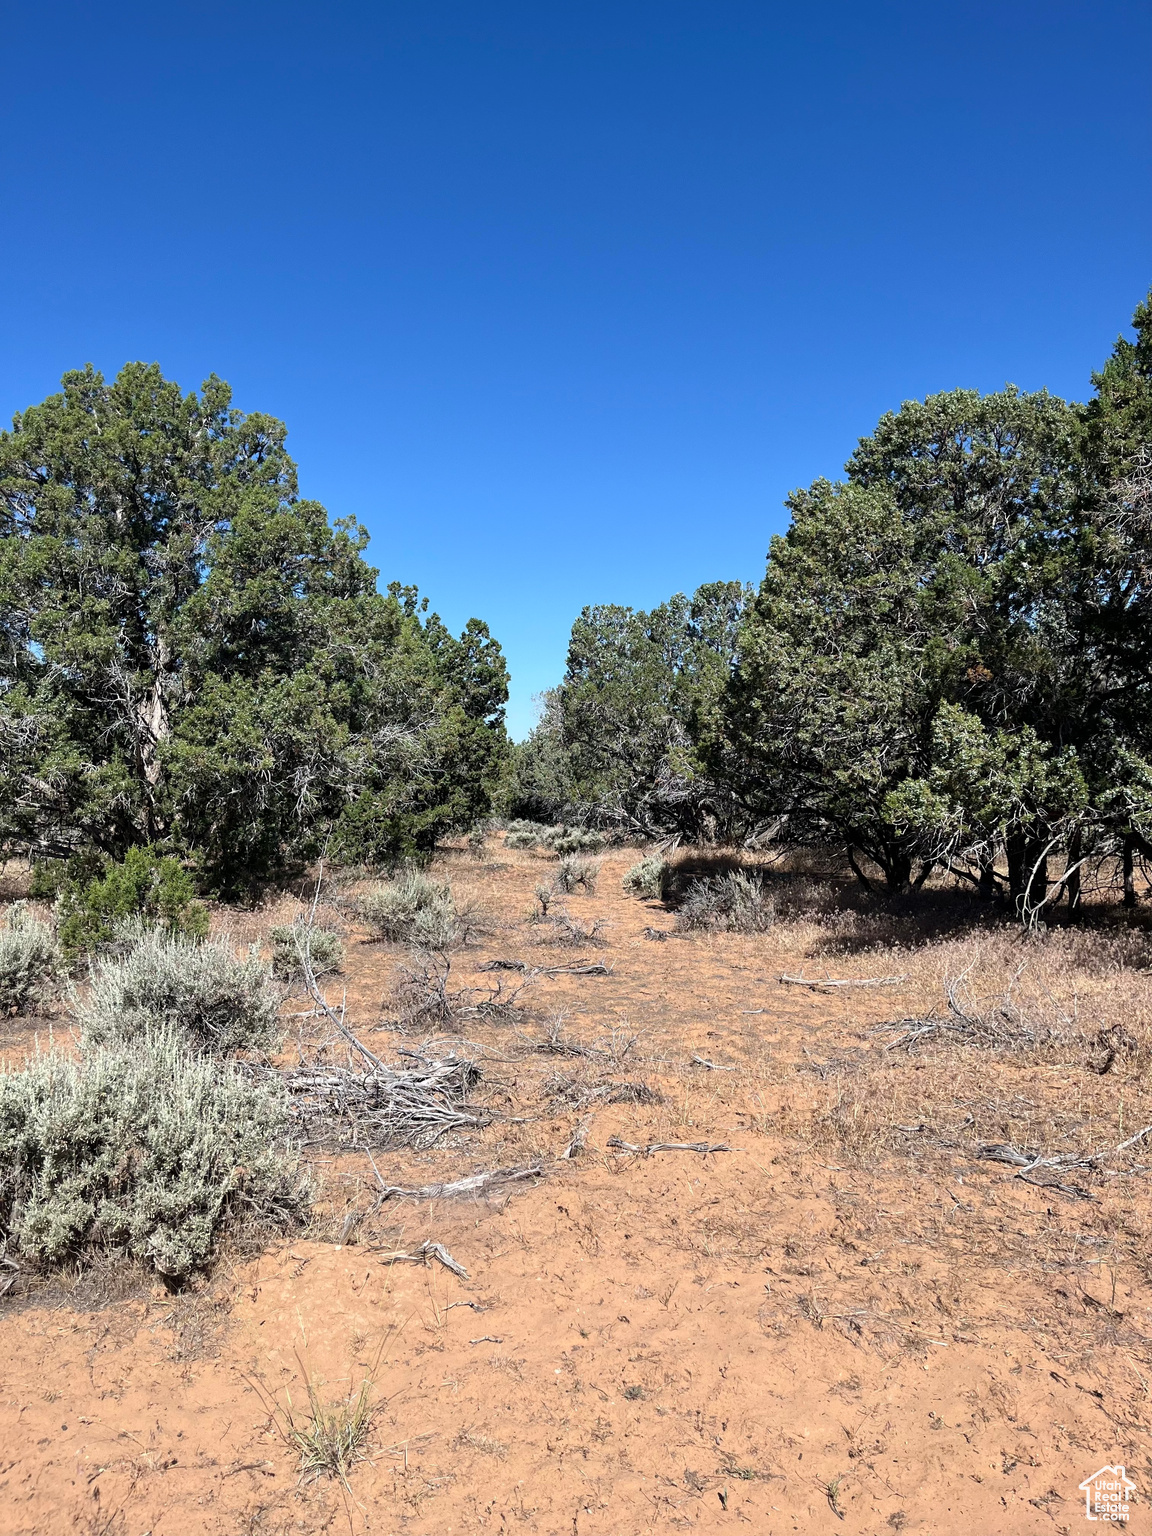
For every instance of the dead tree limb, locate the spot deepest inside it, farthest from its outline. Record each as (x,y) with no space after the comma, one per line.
(472,1185)
(818,983)
(667,1146)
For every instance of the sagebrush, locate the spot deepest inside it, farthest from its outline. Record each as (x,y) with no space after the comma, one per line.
(413,909)
(141,1149)
(731,903)
(203,992)
(646,878)
(575,871)
(292,942)
(29,960)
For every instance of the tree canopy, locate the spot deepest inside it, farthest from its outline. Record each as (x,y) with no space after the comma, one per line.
(195,657)
(948,660)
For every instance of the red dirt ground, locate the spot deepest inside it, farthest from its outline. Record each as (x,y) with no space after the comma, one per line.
(798,1334)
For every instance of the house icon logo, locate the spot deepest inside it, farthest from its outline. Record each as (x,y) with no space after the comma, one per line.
(1107,1495)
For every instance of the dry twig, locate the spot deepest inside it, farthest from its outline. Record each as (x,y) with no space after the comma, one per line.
(472,1185)
(668,1146)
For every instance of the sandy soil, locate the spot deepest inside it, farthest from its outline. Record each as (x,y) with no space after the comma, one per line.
(834,1325)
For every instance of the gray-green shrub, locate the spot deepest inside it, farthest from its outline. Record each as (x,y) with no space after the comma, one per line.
(29,960)
(324,948)
(560,840)
(731,903)
(575,871)
(578,871)
(413,909)
(141,1149)
(204,993)
(646,878)
(563,840)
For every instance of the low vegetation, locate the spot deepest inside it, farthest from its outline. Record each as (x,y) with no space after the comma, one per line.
(292,943)
(145,884)
(560,840)
(202,993)
(731,903)
(414,909)
(29,961)
(646,878)
(142,1149)
(576,872)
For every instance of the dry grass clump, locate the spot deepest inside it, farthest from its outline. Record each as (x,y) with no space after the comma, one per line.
(29,960)
(730,903)
(201,992)
(328,1437)
(414,909)
(296,942)
(1025,1050)
(140,1148)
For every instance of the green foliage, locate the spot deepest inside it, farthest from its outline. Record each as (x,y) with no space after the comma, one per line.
(731,903)
(140,1149)
(200,993)
(566,840)
(193,655)
(146,884)
(413,909)
(558,839)
(29,960)
(324,949)
(616,742)
(646,878)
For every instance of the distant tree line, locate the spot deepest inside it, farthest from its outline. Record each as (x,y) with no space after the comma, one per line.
(196,660)
(947,664)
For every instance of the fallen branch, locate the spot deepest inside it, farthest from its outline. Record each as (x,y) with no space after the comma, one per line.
(579,1137)
(668,1146)
(713,1066)
(426,1252)
(407,1106)
(471,1185)
(846,981)
(577,968)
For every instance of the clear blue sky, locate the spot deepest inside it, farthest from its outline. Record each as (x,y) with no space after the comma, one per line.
(561,299)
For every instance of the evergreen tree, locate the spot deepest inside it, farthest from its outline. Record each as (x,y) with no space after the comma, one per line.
(194,657)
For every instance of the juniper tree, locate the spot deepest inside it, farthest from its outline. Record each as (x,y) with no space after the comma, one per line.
(194,656)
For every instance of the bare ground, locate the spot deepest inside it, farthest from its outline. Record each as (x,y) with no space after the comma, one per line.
(851,1320)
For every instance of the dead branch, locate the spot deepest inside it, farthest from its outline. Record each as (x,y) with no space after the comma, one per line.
(427,997)
(426,1252)
(579,1137)
(713,1066)
(472,1185)
(668,1146)
(817,983)
(1003,1024)
(409,1106)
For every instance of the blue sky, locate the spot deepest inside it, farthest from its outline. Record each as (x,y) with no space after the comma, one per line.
(561,300)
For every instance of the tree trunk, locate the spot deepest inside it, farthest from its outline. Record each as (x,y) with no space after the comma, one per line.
(1016,847)
(1072,881)
(898,873)
(1036,880)
(987,882)
(1129,870)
